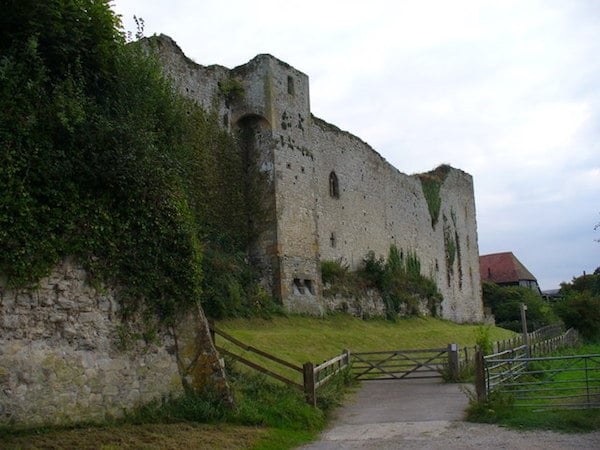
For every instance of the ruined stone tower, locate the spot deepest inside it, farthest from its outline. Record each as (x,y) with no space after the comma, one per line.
(331,196)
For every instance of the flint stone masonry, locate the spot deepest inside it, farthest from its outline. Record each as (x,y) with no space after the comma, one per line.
(369,206)
(62,358)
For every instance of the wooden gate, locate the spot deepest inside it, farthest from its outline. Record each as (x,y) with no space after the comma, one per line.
(405,364)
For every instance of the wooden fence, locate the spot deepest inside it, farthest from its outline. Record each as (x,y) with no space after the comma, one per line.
(314,376)
(540,335)
(542,341)
(403,364)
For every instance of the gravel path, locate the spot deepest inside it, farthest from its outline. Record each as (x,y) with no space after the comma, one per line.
(426,414)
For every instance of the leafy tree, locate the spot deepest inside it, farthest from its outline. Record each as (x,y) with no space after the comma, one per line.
(505,303)
(580,307)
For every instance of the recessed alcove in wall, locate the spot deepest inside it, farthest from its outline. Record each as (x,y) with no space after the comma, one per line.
(334,185)
(309,286)
(253,131)
(303,286)
(298,286)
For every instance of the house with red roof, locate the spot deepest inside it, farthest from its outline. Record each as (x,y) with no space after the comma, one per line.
(505,269)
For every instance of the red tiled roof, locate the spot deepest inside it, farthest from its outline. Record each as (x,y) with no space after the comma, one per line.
(503,268)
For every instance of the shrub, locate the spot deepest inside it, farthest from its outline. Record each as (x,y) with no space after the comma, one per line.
(483,339)
(581,310)
(333,270)
(505,303)
(398,279)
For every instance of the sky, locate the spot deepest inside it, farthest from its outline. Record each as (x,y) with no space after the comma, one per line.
(506,90)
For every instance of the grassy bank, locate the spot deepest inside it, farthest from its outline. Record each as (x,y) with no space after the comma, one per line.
(299,339)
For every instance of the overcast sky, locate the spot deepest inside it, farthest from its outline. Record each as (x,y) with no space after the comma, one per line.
(507,90)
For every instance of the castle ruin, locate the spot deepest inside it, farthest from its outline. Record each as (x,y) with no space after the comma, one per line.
(332,197)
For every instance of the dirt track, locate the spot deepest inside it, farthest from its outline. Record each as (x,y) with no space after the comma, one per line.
(426,414)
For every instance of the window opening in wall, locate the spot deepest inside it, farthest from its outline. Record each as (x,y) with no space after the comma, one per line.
(298,286)
(334,186)
(290,85)
(332,240)
(309,286)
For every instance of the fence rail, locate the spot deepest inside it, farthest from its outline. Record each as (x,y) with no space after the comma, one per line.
(313,376)
(552,381)
(401,364)
(499,369)
(534,337)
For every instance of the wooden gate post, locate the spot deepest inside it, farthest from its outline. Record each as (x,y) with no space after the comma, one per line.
(453,362)
(310,391)
(346,353)
(480,384)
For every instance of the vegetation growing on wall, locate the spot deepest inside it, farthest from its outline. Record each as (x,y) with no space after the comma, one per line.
(431,182)
(102,160)
(231,89)
(450,249)
(398,279)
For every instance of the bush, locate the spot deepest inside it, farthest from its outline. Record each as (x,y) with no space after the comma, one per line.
(580,307)
(505,303)
(398,279)
(496,407)
(581,311)
(332,271)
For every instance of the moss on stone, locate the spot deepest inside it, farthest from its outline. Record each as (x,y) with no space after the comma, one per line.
(431,182)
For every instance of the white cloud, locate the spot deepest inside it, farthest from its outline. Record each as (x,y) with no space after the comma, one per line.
(506,90)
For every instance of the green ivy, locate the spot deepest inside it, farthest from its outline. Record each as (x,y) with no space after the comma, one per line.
(431,183)
(102,160)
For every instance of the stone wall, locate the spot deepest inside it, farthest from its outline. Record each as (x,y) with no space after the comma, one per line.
(376,205)
(65,356)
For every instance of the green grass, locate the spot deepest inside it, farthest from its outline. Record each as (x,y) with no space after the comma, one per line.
(300,339)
